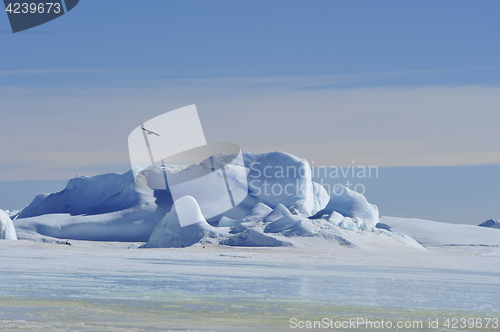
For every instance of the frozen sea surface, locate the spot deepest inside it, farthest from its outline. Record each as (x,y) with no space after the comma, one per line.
(103,286)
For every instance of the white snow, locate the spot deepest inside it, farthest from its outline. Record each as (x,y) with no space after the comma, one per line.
(7,231)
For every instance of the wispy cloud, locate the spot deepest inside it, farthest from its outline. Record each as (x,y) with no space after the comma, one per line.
(63,131)
(60,71)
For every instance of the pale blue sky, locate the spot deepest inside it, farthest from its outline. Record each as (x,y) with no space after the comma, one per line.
(194,39)
(387,83)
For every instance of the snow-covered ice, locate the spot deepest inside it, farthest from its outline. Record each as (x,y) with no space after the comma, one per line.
(105,286)
(433,233)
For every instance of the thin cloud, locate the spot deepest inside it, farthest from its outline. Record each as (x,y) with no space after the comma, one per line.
(60,71)
(383,126)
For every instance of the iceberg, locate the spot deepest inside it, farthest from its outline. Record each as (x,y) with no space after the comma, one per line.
(7,231)
(284,207)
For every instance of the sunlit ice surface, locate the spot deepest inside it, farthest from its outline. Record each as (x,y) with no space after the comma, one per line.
(105,286)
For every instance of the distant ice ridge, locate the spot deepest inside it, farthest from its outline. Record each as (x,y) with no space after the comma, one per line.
(7,231)
(492,223)
(283,206)
(438,234)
